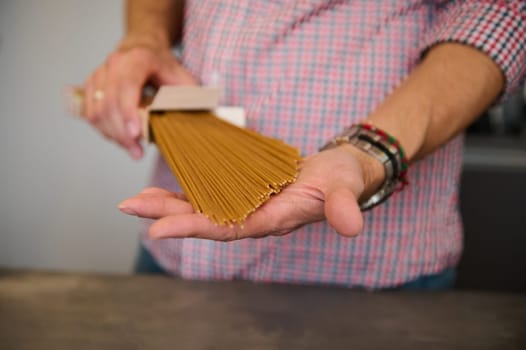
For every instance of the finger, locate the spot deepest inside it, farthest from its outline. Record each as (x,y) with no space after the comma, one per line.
(112,117)
(155,190)
(89,103)
(161,191)
(122,135)
(155,206)
(343,213)
(129,99)
(259,224)
(97,96)
(121,73)
(125,92)
(105,127)
(100,104)
(192,225)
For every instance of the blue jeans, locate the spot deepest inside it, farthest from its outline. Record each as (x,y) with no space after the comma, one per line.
(146,264)
(443,280)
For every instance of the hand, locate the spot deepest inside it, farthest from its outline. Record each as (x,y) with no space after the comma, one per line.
(113,90)
(328,187)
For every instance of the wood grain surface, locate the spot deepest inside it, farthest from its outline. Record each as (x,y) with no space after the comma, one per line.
(45,310)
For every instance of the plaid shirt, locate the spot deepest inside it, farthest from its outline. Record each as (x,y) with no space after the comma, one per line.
(306,69)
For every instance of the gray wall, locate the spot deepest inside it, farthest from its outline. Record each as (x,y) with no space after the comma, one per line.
(60,181)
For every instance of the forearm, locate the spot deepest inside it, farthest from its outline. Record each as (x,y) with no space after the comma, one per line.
(451,87)
(156,22)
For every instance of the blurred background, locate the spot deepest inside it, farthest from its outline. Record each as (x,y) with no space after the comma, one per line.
(60,182)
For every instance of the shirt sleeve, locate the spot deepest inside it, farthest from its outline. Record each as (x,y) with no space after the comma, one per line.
(497,28)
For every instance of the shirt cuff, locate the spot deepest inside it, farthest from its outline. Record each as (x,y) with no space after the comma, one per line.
(497,28)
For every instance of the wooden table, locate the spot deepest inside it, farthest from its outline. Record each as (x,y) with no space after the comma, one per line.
(43,310)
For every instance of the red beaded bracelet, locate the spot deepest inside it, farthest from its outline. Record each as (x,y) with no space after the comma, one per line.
(404,162)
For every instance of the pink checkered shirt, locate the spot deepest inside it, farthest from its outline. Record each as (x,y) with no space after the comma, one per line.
(304,70)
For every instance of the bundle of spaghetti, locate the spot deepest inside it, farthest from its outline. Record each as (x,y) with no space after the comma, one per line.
(225,171)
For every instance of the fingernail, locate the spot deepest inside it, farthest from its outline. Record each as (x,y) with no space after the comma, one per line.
(133,129)
(127,210)
(135,153)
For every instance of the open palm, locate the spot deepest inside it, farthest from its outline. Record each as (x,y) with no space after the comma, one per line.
(327,187)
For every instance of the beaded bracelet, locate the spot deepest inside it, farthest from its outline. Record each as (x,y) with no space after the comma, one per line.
(404,163)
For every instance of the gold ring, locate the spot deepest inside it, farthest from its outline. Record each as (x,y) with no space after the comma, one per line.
(98,95)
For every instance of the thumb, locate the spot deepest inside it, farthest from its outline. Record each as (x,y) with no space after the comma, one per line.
(175,74)
(342,211)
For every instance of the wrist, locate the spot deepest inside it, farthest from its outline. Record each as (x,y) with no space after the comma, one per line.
(373,171)
(154,40)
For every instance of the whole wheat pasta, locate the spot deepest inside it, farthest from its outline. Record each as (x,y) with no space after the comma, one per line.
(226,172)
